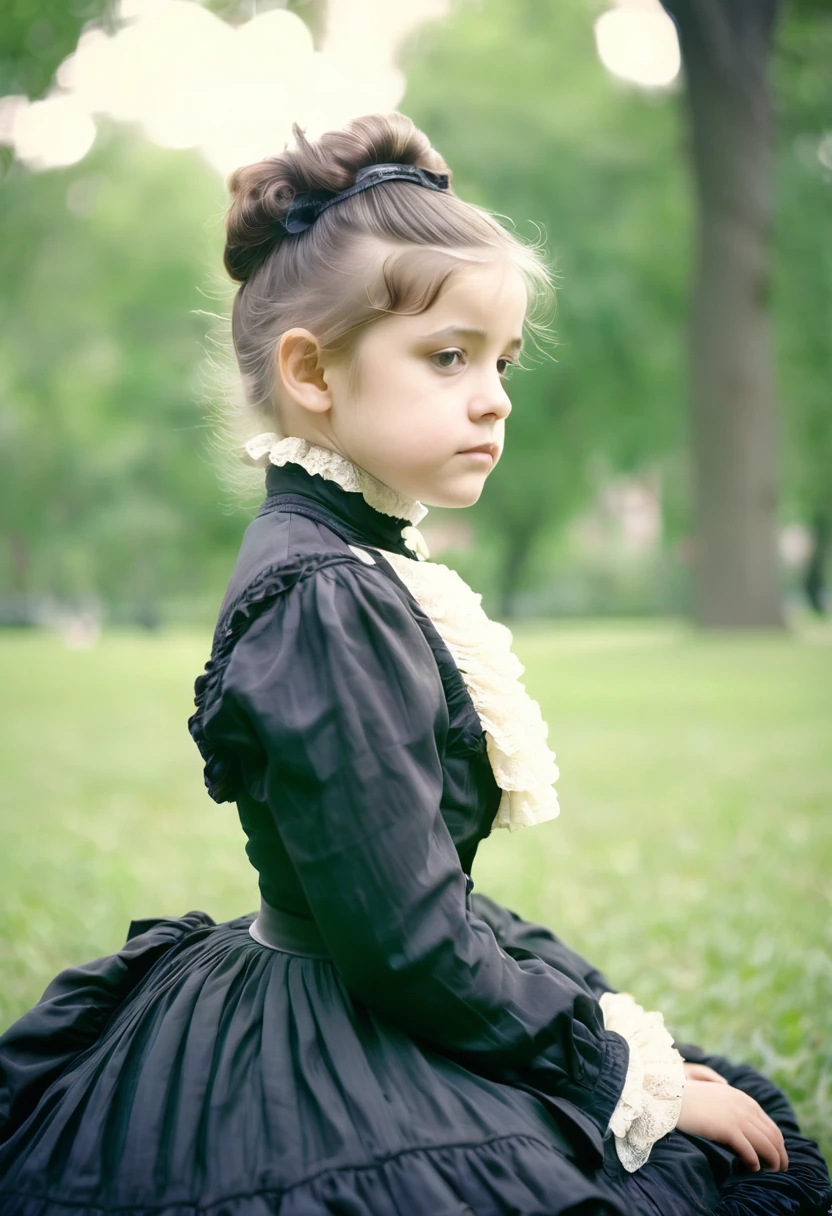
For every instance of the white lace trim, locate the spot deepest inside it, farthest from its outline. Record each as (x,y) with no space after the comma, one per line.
(651,1099)
(523,765)
(269,448)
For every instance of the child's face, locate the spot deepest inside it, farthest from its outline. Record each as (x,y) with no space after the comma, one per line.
(426,391)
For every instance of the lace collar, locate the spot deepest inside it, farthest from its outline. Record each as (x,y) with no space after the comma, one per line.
(404,513)
(523,765)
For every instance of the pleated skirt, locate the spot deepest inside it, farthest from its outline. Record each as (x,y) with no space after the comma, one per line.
(199,1073)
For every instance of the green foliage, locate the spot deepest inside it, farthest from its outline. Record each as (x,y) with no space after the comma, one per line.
(36,35)
(690,860)
(803,264)
(108,483)
(105,481)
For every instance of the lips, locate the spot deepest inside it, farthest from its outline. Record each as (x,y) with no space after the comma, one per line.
(490,448)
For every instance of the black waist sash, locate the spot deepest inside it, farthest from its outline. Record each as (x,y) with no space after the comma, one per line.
(281,930)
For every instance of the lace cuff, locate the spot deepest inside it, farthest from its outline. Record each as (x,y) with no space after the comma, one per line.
(651,1100)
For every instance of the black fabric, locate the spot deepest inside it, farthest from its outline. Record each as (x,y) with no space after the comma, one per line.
(346,512)
(449,1057)
(306,208)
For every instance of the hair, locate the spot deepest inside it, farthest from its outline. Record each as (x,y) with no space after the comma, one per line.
(391,248)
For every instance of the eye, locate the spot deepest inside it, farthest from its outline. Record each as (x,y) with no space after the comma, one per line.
(445,358)
(505,367)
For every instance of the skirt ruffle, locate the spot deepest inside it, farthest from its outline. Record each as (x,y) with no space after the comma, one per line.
(198,1073)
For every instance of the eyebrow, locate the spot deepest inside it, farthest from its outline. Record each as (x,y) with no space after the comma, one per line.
(460,331)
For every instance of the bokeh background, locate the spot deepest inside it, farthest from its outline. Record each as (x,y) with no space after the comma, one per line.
(657,533)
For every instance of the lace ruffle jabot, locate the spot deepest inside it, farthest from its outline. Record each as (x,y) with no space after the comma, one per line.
(523,765)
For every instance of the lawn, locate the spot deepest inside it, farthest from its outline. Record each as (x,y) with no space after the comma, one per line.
(691,860)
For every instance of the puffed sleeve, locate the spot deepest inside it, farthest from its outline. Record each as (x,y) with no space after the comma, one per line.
(339,691)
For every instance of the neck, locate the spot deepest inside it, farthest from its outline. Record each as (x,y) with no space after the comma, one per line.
(269,449)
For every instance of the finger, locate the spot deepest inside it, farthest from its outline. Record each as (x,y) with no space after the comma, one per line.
(767,1122)
(776,1137)
(764,1137)
(697,1072)
(701,1072)
(744,1149)
(765,1148)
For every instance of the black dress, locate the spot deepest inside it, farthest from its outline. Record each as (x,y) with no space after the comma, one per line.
(419,1048)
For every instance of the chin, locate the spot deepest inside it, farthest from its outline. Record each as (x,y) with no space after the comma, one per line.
(459,496)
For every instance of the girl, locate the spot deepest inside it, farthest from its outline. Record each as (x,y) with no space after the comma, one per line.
(377,1040)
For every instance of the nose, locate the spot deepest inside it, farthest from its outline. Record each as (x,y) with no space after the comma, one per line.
(493,400)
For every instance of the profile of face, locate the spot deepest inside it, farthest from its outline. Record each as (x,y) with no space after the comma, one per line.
(424,389)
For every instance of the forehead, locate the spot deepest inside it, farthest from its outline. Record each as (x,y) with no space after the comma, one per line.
(488,295)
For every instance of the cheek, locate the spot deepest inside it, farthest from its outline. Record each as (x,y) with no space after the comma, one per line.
(404,396)
(389,383)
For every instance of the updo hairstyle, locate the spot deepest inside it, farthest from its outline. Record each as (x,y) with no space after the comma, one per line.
(390,248)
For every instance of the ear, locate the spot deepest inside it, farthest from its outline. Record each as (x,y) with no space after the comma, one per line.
(299,368)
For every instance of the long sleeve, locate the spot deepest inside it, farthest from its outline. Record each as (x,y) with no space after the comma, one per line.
(651,1099)
(338,687)
(521,938)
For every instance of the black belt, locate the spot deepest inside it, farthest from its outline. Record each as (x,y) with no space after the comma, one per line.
(281,930)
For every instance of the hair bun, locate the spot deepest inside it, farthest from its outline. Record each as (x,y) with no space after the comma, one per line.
(263,192)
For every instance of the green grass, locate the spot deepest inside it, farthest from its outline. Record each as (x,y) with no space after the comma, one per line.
(691,860)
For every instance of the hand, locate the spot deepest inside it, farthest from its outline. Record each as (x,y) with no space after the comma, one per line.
(729,1116)
(701,1072)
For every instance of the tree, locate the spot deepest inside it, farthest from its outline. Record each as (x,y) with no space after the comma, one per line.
(36,35)
(734,429)
(106,484)
(101,348)
(803,278)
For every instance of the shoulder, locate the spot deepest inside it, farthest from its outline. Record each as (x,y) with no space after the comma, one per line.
(288,543)
(303,585)
(312,610)
(288,586)
(284,550)
(276,540)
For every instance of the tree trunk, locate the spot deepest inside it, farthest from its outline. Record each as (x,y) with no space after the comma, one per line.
(19,563)
(734,426)
(815,579)
(516,554)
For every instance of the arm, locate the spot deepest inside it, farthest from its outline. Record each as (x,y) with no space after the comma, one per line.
(519,938)
(340,689)
(651,1100)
